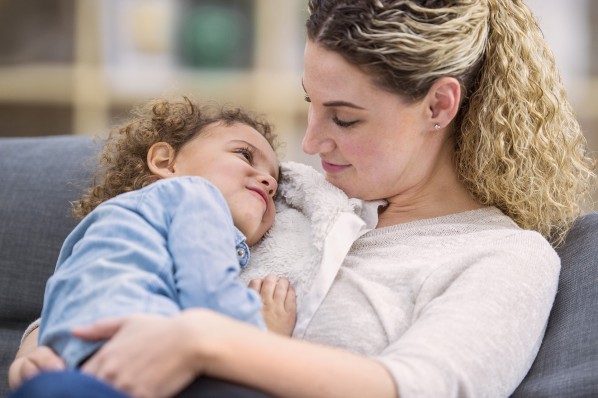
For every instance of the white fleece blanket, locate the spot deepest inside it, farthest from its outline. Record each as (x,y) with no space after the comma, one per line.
(315,226)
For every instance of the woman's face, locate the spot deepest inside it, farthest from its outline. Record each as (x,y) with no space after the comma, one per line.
(373,144)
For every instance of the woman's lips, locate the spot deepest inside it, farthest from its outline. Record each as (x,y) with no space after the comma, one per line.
(334,168)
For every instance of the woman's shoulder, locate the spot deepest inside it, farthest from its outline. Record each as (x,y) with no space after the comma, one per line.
(486,230)
(499,229)
(492,235)
(472,223)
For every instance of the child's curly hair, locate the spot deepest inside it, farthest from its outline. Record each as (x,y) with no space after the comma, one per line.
(123,161)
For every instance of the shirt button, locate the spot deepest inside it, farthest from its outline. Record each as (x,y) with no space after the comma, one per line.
(241,252)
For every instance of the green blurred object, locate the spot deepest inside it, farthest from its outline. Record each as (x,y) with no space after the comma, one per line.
(217,36)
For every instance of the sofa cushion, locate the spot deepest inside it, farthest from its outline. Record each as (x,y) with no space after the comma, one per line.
(38,178)
(567,363)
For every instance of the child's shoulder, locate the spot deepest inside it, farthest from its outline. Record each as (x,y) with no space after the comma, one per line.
(182,181)
(185,185)
(170,193)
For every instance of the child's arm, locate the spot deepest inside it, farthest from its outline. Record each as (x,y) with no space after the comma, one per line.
(201,241)
(280,303)
(113,264)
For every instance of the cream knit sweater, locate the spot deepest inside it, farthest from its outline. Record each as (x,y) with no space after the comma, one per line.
(454,306)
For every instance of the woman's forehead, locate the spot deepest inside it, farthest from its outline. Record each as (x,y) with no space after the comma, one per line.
(329,74)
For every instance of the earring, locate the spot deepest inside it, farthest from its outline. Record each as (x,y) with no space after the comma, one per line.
(436,126)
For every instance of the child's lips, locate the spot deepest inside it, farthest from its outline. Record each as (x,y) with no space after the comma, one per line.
(262,194)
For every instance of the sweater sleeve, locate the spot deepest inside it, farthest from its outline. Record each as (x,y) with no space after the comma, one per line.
(478,329)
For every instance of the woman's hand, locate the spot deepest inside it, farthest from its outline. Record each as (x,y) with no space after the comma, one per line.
(280,303)
(31,360)
(151,356)
(146,356)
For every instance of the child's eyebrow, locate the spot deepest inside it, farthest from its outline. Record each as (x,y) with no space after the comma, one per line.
(275,172)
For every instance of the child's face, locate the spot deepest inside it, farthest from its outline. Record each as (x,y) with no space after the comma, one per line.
(243,165)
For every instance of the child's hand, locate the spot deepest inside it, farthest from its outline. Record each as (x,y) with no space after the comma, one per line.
(280,303)
(32,360)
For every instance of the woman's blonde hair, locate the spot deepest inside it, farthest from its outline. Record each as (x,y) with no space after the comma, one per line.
(518,144)
(123,161)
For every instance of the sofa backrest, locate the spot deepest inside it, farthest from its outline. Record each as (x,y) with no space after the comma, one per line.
(38,178)
(567,363)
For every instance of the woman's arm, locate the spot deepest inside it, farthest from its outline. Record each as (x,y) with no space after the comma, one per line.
(31,359)
(201,342)
(290,368)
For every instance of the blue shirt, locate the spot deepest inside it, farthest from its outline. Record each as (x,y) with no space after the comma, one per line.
(166,247)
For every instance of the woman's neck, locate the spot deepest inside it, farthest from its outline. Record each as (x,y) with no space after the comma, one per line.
(441,196)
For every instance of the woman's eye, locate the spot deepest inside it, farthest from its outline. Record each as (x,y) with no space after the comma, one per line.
(306,98)
(343,123)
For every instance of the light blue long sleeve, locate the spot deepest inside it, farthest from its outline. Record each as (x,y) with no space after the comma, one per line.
(169,246)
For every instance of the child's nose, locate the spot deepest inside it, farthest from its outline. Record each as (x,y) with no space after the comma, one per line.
(270,184)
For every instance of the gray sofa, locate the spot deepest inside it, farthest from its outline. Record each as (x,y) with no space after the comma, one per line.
(39,176)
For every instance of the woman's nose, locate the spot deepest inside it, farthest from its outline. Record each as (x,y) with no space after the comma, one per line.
(309,142)
(315,141)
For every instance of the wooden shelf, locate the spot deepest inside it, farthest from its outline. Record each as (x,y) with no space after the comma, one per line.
(37,84)
(96,83)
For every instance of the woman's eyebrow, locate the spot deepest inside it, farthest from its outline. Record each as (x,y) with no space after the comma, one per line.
(337,103)
(342,103)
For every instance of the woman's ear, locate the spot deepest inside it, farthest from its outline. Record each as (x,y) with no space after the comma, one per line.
(443,99)
(160,158)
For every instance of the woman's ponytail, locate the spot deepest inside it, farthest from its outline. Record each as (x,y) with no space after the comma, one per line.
(520,147)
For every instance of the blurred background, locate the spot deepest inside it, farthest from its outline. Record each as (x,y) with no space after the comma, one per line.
(78,66)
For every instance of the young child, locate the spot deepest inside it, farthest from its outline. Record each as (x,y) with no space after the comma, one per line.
(182,191)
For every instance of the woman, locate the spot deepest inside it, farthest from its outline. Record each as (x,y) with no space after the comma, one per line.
(453,113)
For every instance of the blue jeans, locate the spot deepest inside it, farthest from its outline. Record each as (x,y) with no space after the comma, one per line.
(72,384)
(67,384)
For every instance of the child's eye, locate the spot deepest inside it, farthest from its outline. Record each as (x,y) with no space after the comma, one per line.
(343,123)
(247,153)
(306,98)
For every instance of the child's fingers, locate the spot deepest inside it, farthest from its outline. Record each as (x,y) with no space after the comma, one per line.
(290,301)
(281,289)
(26,371)
(256,284)
(25,367)
(268,287)
(46,359)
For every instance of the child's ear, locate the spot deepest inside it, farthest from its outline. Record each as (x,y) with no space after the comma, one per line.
(160,158)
